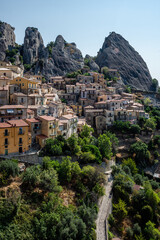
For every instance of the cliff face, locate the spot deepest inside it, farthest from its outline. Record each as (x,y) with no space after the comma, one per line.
(33,47)
(58,58)
(117,53)
(7,39)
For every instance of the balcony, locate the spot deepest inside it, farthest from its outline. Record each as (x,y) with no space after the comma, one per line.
(21,132)
(6,134)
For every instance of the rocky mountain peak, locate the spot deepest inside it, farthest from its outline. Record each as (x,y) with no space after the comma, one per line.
(33,45)
(59,42)
(7,39)
(117,53)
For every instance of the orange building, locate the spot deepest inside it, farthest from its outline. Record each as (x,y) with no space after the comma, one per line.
(14,137)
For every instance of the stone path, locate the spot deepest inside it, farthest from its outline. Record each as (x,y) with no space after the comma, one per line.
(105,208)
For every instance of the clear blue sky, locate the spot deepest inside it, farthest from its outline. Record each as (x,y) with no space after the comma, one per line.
(88,22)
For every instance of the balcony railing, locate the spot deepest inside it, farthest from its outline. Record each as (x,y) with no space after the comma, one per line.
(21,132)
(6,133)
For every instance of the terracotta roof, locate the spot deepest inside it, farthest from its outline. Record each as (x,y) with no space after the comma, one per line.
(30,111)
(47,118)
(12,107)
(32,120)
(103,102)
(5,125)
(69,116)
(18,123)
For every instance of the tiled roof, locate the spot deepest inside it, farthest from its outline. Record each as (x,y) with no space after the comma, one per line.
(18,123)
(69,116)
(5,125)
(12,107)
(47,118)
(32,120)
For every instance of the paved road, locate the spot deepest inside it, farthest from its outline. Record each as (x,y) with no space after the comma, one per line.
(104,210)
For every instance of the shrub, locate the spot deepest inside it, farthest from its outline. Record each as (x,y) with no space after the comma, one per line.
(9,167)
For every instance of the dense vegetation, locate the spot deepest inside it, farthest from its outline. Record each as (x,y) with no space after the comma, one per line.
(136,204)
(33,204)
(84,147)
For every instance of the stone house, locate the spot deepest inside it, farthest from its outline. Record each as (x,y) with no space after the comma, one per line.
(19,99)
(4,95)
(8,112)
(34,128)
(71,124)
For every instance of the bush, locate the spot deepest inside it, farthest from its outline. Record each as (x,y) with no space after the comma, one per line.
(27,67)
(9,167)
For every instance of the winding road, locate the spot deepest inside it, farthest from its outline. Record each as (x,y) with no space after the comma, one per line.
(104,211)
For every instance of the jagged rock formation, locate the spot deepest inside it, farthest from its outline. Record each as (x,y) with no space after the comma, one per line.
(33,46)
(7,39)
(58,58)
(117,53)
(91,63)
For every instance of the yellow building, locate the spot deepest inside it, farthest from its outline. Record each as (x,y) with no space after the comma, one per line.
(77,109)
(49,129)
(49,126)
(25,84)
(14,137)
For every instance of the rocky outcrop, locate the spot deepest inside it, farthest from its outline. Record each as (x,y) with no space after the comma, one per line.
(60,58)
(118,54)
(7,39)
(33,48)
(91,63)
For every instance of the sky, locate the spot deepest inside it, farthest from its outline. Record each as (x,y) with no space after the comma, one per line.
(88,22)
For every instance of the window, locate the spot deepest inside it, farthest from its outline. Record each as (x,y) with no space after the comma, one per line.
(20,130)
(6,141)
(20,80)
(20,140)
(4,74)
(22,84)
(16,80)
(6,132)
(22,100)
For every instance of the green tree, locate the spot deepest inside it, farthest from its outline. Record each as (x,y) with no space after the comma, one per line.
(141,152)
(131,164)
(9,167)
(86,131)
(73,144)
(31,176)
(113,139)
(105,146)
(151,232)
(119,210)
(150,123)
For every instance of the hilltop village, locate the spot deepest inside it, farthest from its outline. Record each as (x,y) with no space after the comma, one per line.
(33,110)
